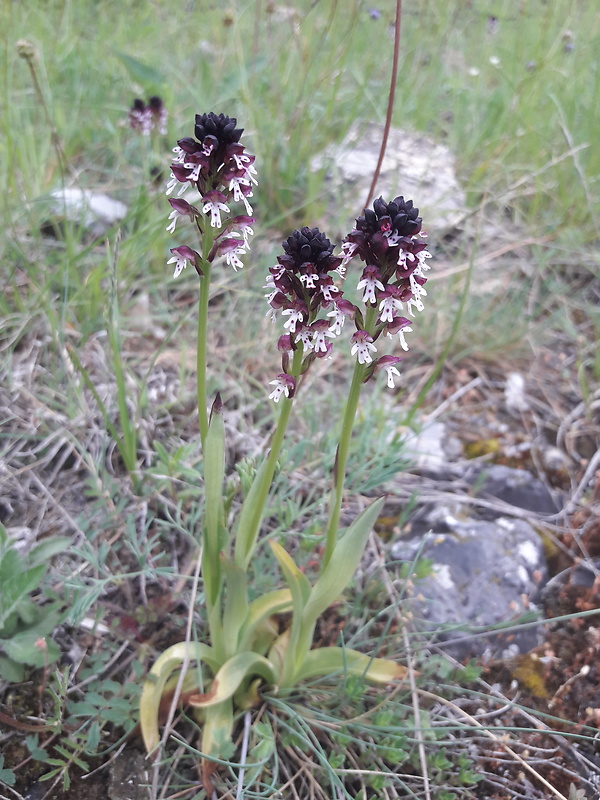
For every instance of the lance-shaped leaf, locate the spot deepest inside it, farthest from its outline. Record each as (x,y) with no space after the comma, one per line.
(230,676)
(344,561)
(236,605)
(216,739)
(251,514)
(259,611)
(333,580)
(300,589)
(331,660)
(154,686)
(214,472)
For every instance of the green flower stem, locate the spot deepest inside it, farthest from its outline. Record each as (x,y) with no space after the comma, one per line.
(335,503)
(201,349)
(207,238)
(341,457)
(244,545)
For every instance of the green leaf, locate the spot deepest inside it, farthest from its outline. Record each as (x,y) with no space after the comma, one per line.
(11,671)
(300,589)
(17,587)
(24,648)
(230,676)
(217,730)
(344,560)
(250,516)
(11,564)
(7,776)
(38,753)
(236,605)
(332,581)
(152,691)
(214,473)
(259,611)
(332,660)
(141,72)
(93,737)
(48,549)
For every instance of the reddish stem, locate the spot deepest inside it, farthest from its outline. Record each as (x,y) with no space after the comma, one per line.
(391,96)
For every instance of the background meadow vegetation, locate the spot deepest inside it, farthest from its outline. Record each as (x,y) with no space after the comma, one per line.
(97,339)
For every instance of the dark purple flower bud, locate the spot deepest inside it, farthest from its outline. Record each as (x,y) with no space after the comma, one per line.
(155,104)
(309,245)
(242,221)
(278,300)
(285,343)
(184,208)
(181,208)
(346,307)
(181,173)
(221,127)
(223,246)
(397,324)
(189,145)
(136,115)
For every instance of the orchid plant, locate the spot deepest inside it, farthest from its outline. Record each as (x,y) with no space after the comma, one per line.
(246,651)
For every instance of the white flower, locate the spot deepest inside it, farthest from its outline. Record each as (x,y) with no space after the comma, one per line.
(421,258)
(215,206)
(194,175)
(180,264)
(319,343)
(363,347)
(338,321)
(308,279)
(174,216)
(348,250)
(417,303)
(326,290)
(181,256)
(305,337)
(295,317)
(369,284)
(235,185)
(245,232)
(282,387)
(387,307)
(232,257)
(401,333)
(391,371)
(172,183)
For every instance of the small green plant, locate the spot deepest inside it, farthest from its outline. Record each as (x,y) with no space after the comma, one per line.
(247,650)
(7,776)
(25,624)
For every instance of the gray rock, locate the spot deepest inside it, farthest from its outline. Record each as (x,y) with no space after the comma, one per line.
(431,448)
(93,211)
(517,487)
(484,573)
(414,166)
